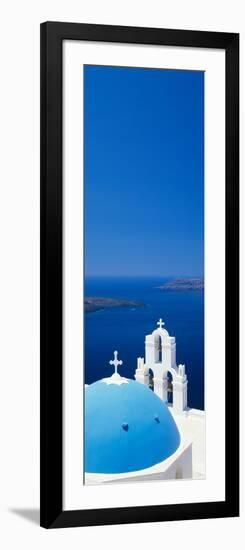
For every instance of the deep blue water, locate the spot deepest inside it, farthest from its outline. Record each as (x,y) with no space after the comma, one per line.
(124,329)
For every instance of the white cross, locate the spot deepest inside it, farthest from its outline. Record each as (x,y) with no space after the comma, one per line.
(116,362)
(160,323)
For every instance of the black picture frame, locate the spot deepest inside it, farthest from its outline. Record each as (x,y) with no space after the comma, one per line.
(52,36)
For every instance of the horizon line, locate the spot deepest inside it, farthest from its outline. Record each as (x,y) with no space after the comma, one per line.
(146,276)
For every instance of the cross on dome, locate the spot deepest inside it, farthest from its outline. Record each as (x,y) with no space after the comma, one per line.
(116,362)
(160,323)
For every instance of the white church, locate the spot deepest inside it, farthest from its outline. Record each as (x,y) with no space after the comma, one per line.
(143,429)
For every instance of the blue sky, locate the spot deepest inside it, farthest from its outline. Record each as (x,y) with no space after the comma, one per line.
(143,172)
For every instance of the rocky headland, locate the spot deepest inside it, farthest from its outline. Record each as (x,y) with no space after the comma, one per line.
(94,303)
(183,284)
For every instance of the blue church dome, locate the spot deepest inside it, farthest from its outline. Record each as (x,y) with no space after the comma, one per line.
(127,427)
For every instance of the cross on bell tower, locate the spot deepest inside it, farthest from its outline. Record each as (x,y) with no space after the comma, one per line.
(160,323)
(116,362)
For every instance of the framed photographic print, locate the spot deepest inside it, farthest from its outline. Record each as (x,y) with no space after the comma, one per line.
(139,274)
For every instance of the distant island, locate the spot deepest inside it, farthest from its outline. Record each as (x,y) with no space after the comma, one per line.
(183,284)
(94,303)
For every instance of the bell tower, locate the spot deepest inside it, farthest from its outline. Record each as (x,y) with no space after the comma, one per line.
(160,358)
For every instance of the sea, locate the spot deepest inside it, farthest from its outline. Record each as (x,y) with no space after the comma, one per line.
(124,328)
